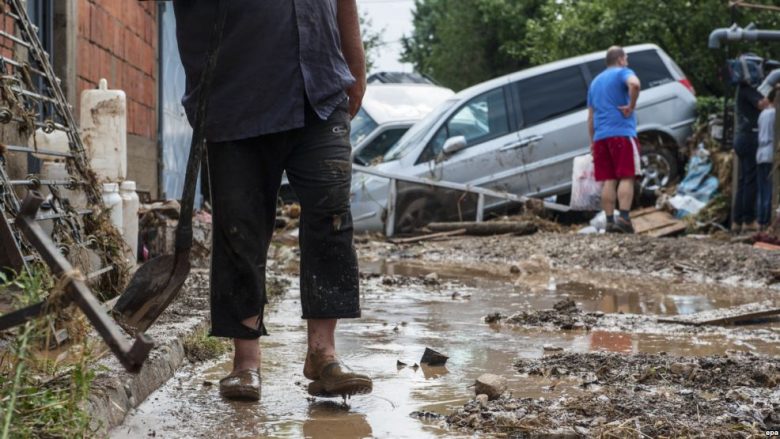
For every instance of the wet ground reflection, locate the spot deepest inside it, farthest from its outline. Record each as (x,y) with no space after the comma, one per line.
(399,321)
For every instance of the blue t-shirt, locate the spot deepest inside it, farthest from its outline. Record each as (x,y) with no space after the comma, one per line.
(608,92)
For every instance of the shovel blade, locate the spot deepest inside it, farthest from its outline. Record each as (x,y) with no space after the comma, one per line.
(152,289)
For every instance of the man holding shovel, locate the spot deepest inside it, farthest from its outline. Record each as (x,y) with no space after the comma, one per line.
(289,76)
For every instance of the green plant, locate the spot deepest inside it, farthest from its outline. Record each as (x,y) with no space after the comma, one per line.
(200,346)
(40,397)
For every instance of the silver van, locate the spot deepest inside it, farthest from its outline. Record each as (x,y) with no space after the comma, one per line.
(520,133)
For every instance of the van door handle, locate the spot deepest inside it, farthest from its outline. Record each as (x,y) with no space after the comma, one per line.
(522,143)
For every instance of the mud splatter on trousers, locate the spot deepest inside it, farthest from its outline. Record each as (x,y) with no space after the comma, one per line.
(245,176)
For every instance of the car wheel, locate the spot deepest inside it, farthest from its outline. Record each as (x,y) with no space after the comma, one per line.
(416,214)
(659,168)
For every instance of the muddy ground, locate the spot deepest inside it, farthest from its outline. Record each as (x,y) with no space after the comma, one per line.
(700,259)
(641,395)
(591,300)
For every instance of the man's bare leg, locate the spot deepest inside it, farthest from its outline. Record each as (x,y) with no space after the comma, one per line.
(625,194)
(608,195)
(322,345)
(322,337)
(247,352)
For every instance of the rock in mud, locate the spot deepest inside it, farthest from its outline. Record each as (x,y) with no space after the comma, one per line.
(494,317)
(482,399)
(433,358)
(431,279)
(491,385)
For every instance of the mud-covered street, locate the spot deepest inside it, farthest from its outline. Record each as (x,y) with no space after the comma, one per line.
(569,321)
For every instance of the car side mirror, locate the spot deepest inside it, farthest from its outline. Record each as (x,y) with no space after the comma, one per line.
(453,145)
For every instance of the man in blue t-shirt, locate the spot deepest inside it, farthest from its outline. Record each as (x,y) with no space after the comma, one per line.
(612,127)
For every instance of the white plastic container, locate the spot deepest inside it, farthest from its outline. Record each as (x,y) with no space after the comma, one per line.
(51,170)
(56,141)
(130,205)
(113,202)
(104,131)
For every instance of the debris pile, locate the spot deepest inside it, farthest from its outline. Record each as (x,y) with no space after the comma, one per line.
(638,396)
(564,315)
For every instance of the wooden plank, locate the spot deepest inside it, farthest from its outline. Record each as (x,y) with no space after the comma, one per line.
(766,246)
(653,221)
(430,236)
(487,228)
(671,229)
(727,316)
(642,211)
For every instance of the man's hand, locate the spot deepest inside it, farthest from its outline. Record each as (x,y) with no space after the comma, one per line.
(352,48)
(633,94)
(355,94)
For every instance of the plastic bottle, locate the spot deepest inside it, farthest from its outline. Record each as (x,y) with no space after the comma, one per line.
(104,131)
(56,141)
(113,202)
(130,205)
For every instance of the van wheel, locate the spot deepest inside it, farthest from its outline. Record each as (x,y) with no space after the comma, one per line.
(659,168)
(416,214)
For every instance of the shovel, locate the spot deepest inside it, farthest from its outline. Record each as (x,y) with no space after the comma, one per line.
(158,281)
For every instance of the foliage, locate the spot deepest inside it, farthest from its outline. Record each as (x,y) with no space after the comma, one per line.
(681,27)
(41,397)
(200,346)
(462,42)
(708,105)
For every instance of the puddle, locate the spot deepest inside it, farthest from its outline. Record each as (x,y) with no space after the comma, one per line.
(398,322)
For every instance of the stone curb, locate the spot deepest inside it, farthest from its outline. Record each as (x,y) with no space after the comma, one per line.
(115,392)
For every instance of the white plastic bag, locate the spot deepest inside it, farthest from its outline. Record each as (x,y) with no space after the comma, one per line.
(585,190)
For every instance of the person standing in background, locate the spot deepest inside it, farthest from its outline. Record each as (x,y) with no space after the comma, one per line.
(612,100)
(765,161)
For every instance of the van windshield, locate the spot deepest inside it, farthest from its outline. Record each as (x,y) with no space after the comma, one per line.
(417,132)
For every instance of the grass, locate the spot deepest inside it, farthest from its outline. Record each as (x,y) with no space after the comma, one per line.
(200,346)
(41,397)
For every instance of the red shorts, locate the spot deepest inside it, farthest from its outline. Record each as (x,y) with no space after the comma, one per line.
(616,158)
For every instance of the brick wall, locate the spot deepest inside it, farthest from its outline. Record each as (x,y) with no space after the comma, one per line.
(117,40)
(6,45)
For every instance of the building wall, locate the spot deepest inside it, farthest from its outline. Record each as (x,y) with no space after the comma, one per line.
(117,40)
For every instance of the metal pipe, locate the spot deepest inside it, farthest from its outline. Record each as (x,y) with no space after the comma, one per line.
(15,39)
(21,66)
(37,151)
(772,79)
(736,33)
(36,183)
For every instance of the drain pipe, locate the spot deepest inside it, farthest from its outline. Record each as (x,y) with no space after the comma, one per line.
(736,33)
(771,80)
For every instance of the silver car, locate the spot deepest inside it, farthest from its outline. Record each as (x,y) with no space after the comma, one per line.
(386,113)
(520,133)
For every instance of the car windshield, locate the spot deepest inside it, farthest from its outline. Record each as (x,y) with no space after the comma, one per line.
(361,126)
(417,132)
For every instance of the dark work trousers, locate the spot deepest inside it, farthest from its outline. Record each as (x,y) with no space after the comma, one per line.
(745,145)
(245,178)
(764,180)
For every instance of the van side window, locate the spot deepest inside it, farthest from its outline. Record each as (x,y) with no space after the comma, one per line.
(478,120)
(552,94)
(647,65)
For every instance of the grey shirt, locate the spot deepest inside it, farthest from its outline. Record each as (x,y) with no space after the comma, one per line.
(276,55)
(766,136)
